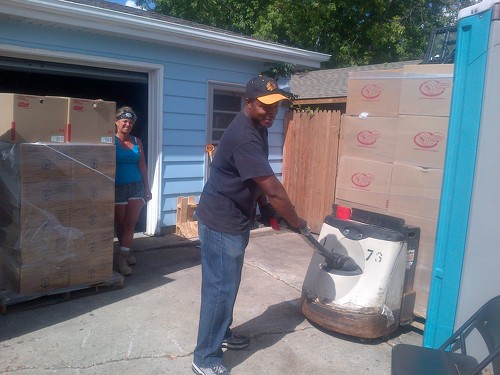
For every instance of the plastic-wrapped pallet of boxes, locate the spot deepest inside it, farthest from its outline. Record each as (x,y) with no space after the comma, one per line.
(393,143)
(57,210)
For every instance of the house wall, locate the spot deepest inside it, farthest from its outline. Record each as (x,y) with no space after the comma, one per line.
(183,105)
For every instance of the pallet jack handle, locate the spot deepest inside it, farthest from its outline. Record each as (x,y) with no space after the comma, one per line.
(334,260)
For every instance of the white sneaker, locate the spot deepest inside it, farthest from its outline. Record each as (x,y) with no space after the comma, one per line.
(215,370)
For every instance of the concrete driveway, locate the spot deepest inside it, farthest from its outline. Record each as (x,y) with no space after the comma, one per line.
(149,326)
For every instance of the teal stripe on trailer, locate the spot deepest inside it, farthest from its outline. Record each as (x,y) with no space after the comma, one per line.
(456,194)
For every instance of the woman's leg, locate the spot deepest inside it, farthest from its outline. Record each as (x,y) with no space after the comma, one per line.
(133,210)
(120,214)
(120,219)
(127,210)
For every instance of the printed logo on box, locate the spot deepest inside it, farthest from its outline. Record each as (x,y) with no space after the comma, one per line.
(362,180)
(371,91)
(23,102)
(428,139)
(368,137)
(91,274)
(46,165)
(434,87)
(92,246)
(79,105)
(92,219)
(46,195)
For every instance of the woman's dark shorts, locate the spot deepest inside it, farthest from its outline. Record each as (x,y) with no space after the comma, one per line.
(126,192)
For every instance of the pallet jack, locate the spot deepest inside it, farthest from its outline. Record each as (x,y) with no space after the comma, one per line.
(360,279)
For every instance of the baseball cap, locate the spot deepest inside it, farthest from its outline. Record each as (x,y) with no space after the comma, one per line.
(265,90)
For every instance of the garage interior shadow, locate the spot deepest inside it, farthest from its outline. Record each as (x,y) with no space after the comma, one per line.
(41,78)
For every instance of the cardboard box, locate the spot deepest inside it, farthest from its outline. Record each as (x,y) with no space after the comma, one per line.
(37,237)
(92,161)
(87,121)
(92,191)
(89,217)
(51,213)
(40,163)
(94,245)
(422,141)
(51,201)
(415,190)
(427,69)
(52,249)
(364,181)
(91,121)
(36,278)
(426,90)
(26,118)
(372,138)
(91,272)
(345,203)
(93,261)
(376,93)
(35,190)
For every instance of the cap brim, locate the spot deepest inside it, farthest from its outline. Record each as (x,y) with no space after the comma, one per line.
(271,99)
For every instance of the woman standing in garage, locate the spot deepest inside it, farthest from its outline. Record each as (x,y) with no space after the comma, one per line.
(131,185)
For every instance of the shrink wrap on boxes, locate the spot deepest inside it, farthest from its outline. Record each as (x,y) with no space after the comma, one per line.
(56,215)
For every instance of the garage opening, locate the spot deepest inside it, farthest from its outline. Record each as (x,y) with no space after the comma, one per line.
(34,77)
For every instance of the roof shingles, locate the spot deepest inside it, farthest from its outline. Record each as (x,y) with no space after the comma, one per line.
(332,83)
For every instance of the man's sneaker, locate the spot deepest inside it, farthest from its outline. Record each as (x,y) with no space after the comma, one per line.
(235,342)
(216,370)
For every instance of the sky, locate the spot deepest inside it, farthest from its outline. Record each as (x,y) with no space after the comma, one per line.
(125,2)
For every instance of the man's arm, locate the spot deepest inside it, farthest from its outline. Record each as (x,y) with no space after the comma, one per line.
(278,197)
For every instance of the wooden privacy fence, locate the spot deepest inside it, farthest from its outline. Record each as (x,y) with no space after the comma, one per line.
(310,163)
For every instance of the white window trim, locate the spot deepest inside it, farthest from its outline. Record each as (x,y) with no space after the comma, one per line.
(212,86)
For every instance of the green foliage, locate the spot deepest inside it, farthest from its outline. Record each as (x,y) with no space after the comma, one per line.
(308,109)
(280,70)
(354,32)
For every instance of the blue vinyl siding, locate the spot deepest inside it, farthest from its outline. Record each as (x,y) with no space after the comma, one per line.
(179,154)
(186,121)
(185,89)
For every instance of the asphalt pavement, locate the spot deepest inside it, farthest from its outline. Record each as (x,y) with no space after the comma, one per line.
(149,325)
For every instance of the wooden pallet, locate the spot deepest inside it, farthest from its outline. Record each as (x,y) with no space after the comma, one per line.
(8,298)
(418,324)
(185,223)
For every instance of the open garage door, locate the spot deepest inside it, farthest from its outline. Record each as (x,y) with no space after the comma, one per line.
(34,77)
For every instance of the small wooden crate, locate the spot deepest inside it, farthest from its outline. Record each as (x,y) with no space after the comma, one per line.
(185,224)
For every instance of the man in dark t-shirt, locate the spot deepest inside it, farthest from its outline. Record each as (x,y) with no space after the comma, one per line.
(240,177)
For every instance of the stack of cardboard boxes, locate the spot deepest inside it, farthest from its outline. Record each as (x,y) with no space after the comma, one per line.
(393,143)
(57,185)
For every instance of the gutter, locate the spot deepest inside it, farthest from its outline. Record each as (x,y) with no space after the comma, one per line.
(91,18)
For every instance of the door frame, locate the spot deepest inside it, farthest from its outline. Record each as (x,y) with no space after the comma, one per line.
(155,110)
